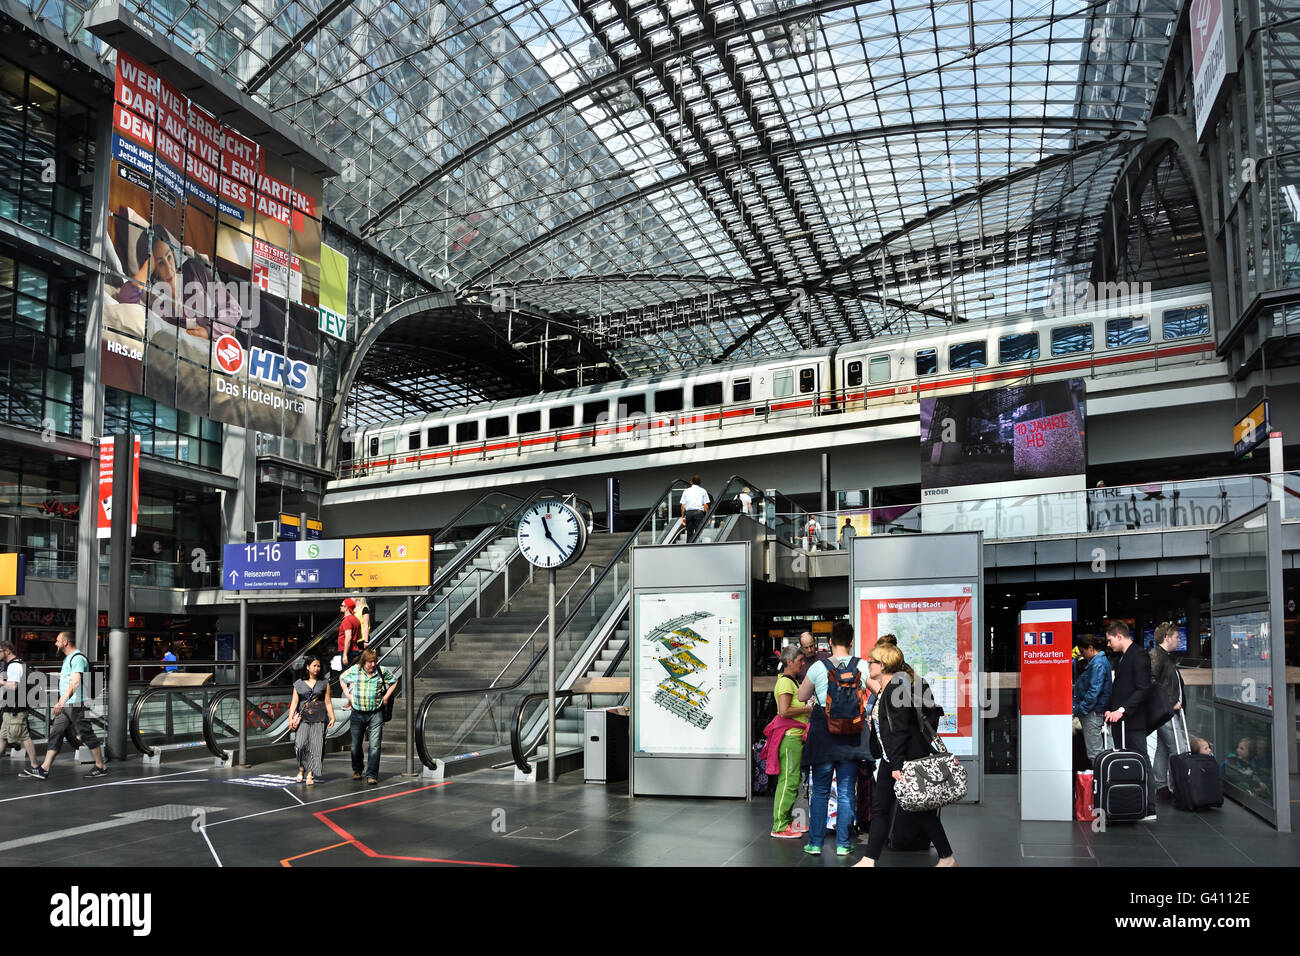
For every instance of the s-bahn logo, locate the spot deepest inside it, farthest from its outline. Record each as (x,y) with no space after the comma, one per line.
(230,354)
(269,367)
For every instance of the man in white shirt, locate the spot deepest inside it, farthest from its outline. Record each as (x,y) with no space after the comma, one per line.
(695,506)
(746,503)
(13,694)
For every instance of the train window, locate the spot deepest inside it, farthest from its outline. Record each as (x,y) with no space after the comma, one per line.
(466,431)
(710,393)
(1132,330)
(374,447)
(413,441)
(668,400)
(783,384)
(498,427)
(630,405)
(1018,347)
(740,390)
(878,369)
(593,412)
(388,444)
(927,361)
(437,436)
(1072,338)
(853,374)
(561,417)
(807,380)
(1181,323)
(968,355)
(528,422)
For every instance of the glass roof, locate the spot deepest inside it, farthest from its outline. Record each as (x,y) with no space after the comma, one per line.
(692,180)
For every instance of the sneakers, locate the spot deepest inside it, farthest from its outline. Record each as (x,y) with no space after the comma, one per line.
(97,772)
(800,827)
(789,833)
(812,850)
(843,850)
(40,773)
(356,776)
(371,781)
(1150,818)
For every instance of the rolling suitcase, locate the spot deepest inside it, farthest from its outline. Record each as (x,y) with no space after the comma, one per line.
(1194,778)
(1121,781)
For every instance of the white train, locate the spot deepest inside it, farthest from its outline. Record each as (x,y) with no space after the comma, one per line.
(1145,332)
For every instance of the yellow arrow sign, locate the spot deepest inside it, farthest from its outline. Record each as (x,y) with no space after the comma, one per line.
(399,562)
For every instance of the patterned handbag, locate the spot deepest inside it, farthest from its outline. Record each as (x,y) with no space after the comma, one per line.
(930,782)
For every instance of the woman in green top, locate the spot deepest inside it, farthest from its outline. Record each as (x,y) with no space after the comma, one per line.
(791,751)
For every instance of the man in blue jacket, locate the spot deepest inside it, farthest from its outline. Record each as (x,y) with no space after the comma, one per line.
(1092,694)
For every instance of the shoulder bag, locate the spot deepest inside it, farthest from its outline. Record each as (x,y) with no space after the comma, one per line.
(930,782)
(385,706)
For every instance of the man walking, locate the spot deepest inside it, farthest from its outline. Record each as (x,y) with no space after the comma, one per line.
(70,710)
(1164,675)
(169,661)
(1128,697)
(695,506)
(368,688)
(1092,694)
(15,732)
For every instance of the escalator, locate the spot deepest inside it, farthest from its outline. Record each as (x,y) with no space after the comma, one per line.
(178,720)
(471,726)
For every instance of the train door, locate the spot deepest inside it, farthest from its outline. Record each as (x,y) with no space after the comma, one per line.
(852,377)
(810,388)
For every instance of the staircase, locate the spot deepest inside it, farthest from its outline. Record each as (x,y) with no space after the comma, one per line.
(487,648)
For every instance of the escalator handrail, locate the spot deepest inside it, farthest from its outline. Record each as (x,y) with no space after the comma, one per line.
(516,742)
(728,488)
(384,632)
(430,699)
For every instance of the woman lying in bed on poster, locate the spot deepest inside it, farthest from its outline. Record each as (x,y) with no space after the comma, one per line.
(189,298)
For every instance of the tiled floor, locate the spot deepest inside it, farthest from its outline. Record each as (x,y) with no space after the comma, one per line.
(194,815)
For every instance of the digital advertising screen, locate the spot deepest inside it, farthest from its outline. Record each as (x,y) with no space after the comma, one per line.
(934,627)
(691,673)
(213,283)
(1009,461)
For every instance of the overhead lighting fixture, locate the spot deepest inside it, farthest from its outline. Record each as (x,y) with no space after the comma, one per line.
(797,235)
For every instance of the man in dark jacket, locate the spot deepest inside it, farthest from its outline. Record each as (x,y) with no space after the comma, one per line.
(1128,698)
(1164,675)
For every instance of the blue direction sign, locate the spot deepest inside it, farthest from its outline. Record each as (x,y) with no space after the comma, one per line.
(270,566)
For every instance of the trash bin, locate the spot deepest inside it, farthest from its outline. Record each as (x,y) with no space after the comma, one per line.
(605,745)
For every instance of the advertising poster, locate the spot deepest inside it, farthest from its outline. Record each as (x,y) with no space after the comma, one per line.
(692,673)
(1009,462)
(1046,686)
(104,521)
(205,228)
(934,625)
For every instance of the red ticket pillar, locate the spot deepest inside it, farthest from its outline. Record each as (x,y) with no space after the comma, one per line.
(1046,701)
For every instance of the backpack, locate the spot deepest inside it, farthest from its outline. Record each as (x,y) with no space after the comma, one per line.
(846,701)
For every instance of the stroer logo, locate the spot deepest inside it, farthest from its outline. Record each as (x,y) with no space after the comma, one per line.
(266,366)
(75,910)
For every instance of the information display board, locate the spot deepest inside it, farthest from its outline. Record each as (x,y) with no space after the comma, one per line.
(691,672)
(933,624)
(266,566)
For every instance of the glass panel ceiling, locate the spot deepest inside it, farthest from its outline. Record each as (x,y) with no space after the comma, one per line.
(693,179)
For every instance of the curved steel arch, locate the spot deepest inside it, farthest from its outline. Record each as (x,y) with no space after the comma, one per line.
(822,142)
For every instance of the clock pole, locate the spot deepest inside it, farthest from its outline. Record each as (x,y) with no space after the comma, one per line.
(550,676)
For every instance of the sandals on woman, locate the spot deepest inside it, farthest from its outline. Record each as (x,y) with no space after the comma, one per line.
(298,778)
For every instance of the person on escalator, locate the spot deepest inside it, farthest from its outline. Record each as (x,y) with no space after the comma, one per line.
(695,508)
(349,635)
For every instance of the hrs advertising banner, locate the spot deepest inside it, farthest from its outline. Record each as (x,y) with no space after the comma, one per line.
(1009,462)
(214,248)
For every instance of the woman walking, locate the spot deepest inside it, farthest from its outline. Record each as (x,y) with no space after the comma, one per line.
(897,732)
(310,710)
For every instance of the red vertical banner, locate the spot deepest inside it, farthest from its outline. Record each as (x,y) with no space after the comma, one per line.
(104,507)
(1046,674)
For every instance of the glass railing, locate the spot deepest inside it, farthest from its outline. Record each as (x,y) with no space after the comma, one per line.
(783,519)
(1121,509)
(451,725)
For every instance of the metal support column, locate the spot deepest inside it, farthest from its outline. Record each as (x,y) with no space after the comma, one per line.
(408,678)
(243,683)
(550,676)
(826,481)
(119,641)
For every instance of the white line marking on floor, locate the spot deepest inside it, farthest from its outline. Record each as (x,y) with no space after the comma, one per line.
(95,786)
(292,794)
(353,795)
(204,832)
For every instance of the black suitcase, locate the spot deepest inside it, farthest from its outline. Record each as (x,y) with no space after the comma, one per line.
(906,835)
(1120,783)
(1194,778)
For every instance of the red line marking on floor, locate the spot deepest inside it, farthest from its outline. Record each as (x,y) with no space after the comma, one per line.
(323,817)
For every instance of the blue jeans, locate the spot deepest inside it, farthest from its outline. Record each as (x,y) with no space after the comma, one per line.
(361,719)
(846,775)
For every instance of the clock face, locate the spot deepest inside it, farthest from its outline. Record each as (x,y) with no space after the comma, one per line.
(551,534)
